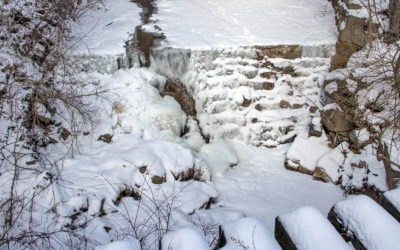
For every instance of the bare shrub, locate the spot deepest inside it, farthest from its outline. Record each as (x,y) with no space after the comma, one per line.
(42,102)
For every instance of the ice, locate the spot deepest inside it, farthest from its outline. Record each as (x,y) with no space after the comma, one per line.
(310,230)
(104,31)
(222,23)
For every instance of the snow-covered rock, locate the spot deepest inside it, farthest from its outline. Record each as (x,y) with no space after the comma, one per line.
(248,233)
(305,152)
(183,239)
(366,223)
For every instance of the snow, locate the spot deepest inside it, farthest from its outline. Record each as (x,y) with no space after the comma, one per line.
(332,161)
(183,239)
(261,187)
(300,150)
(104,31)
(248,233)
(219,156)
(222,23)
(309,229)
(121,245)
(373,226)
(331,87)
(394,197)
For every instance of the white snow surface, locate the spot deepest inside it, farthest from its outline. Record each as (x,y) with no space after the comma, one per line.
(121,245)
(373,226)
(310,230)
(199,24)
(184,239)
(104,31)
(264,189)
(394,197)
(248,233)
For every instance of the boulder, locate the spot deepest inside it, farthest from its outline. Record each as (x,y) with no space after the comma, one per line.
(336,120)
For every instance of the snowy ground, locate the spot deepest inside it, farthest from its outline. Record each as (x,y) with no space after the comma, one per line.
(245,180)
(260,186)
(199,24)
(105,31)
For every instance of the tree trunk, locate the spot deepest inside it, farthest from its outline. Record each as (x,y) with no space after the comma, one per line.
(394,13)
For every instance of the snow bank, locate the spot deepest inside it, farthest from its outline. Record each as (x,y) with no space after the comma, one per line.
(121,245)
(184,239)
(199,24)
(106,30)
(371,224)
(309,229)
(248,233)
(219,156)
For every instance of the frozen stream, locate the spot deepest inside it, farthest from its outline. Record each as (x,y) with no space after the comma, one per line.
(261,187)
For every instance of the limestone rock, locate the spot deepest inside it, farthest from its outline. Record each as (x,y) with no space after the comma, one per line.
(336,120)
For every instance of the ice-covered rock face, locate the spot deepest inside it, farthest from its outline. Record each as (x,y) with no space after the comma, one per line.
(244,94)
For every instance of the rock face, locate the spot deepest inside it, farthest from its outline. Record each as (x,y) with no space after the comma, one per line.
(354,33)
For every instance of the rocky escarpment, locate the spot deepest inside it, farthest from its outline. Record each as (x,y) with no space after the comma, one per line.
(356,116)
